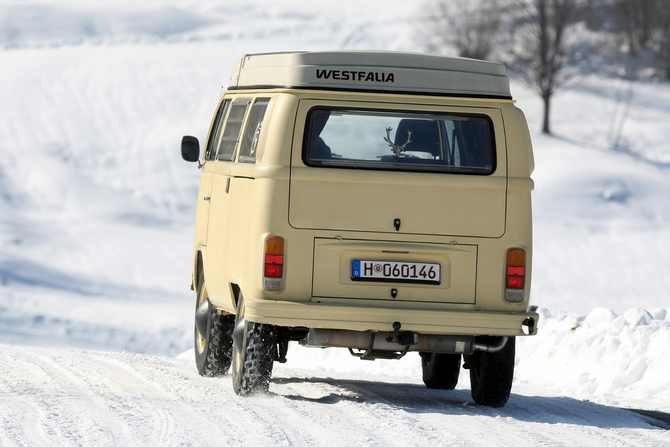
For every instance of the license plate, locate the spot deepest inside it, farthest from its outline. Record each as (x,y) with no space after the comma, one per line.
(396,271)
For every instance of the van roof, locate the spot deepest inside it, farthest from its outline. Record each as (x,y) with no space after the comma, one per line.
(378,71)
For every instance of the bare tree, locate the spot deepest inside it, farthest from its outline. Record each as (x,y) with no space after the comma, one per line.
(540,51)
(469,26)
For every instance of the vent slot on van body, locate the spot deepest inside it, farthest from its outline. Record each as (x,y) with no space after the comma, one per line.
(333,259)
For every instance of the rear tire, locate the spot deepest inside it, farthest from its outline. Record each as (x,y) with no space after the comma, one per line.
(440,371)
(491,374)
(214,348)
(254,348)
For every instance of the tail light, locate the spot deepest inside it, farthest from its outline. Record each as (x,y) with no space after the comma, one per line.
(273,269)
(515,277)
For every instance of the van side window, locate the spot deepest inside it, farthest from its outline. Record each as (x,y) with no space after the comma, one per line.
(252,131)
(399,141)
(231,132)
(217,130)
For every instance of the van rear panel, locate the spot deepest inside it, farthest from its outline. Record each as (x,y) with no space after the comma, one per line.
(390,170)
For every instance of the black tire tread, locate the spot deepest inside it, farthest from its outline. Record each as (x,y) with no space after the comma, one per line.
(491,375)
(259,359)
(257,354)
(220,345)
(440,371)
(217,355)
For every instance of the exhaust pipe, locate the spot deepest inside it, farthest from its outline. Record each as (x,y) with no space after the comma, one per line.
(491,348)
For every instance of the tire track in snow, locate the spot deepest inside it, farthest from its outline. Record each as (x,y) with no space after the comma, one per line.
(161,423)
(158,381)
(405,414)
(43,396)
(296,409)
(28,413)
(181,392)
(377,414)
(16,408)
(74,408)
(140,400)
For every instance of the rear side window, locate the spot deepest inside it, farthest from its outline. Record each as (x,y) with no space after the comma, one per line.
(217,131)
(252,131)
(231,132)
(402,141)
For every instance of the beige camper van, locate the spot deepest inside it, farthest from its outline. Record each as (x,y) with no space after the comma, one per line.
(374,201)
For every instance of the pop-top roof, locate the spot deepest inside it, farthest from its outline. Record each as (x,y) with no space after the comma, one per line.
(385,71)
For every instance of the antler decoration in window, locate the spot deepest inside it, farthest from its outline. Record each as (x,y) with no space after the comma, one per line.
(397,149)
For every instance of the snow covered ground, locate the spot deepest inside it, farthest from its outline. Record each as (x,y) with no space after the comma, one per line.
(96,227)
(67,397)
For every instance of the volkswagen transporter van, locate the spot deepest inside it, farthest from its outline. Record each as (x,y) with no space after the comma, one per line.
(374,201)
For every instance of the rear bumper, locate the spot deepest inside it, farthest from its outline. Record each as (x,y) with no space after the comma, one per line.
(381,319)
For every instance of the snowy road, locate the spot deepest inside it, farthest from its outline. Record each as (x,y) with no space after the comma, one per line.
(70,397)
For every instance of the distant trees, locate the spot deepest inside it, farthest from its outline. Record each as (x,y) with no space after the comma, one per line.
(546,42)
(645,26)
(635,20)
(540,49)
(532,39)
(662,41)
(471,26)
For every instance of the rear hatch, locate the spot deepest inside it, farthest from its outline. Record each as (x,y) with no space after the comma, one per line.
(403,170)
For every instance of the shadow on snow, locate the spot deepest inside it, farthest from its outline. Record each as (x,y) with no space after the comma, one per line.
(419,399)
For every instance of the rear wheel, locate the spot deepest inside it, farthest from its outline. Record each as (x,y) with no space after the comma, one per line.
(254,346)
(491,374)
(213,337)
(440,371)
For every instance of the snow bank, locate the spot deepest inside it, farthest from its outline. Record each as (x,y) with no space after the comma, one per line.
(619,359)
(615,359)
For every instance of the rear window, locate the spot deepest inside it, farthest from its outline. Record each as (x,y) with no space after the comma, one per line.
(401,141)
